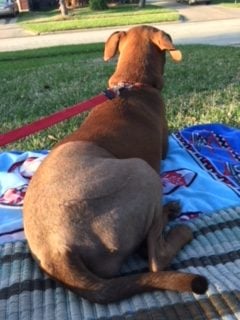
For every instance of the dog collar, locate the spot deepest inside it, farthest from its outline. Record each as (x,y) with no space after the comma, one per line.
(116,90)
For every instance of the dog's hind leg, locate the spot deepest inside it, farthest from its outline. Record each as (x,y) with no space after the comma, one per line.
(169,212)
(163,248)
(174,240)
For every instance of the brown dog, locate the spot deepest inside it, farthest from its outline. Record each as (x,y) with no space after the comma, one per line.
(96,198)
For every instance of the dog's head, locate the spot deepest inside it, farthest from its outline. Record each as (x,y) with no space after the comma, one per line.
(141,55)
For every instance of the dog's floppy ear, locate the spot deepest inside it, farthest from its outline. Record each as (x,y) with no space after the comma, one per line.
(164,42)
(111,45)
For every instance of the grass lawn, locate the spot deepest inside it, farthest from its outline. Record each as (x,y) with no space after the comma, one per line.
(203,88)
(227,3)
(82,18)
(231,5)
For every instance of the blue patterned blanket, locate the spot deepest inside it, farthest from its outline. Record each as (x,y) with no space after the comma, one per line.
(202,169)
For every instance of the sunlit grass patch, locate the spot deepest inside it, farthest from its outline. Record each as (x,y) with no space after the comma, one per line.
(84,18)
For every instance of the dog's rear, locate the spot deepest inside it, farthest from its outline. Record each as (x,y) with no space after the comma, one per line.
(86,212)
(96,198)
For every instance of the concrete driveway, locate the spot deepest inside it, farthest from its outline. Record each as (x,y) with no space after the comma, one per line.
(9,29)
(206,24)
(200,12)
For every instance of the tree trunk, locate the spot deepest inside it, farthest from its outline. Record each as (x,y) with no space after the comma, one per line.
(142,3)
(75,3)
(63,8)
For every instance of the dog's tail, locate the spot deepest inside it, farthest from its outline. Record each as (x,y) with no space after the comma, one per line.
(76,276)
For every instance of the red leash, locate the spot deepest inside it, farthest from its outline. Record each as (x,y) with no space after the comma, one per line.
(53,119)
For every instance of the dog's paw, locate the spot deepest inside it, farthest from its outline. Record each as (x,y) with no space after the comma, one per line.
(184,232)
(173,209)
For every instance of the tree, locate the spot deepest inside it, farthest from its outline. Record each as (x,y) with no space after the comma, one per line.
(98,4)
(63,8)
(142,3)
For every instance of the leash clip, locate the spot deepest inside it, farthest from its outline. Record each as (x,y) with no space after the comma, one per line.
(110,94)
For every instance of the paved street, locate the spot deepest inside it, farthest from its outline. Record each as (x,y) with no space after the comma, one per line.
(200,12)
(9,29)
(200,24)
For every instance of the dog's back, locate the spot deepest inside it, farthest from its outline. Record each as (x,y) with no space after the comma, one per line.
(131,126)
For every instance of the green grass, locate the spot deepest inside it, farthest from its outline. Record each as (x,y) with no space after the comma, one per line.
(227,3)
(203,88)
(231,5)
(84,18)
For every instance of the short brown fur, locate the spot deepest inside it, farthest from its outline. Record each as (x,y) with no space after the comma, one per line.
(96,197)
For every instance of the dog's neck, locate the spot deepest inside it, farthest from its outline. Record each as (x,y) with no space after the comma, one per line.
(138,80)
(116,90)
(122,85)
(148,70)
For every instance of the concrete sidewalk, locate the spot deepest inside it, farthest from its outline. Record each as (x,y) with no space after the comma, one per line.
(220,32)
(199,12)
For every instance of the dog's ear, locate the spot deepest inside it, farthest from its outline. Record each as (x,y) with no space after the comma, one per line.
(112,44)
(164,42)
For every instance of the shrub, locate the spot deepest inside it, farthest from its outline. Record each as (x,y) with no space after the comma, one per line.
(98,4)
